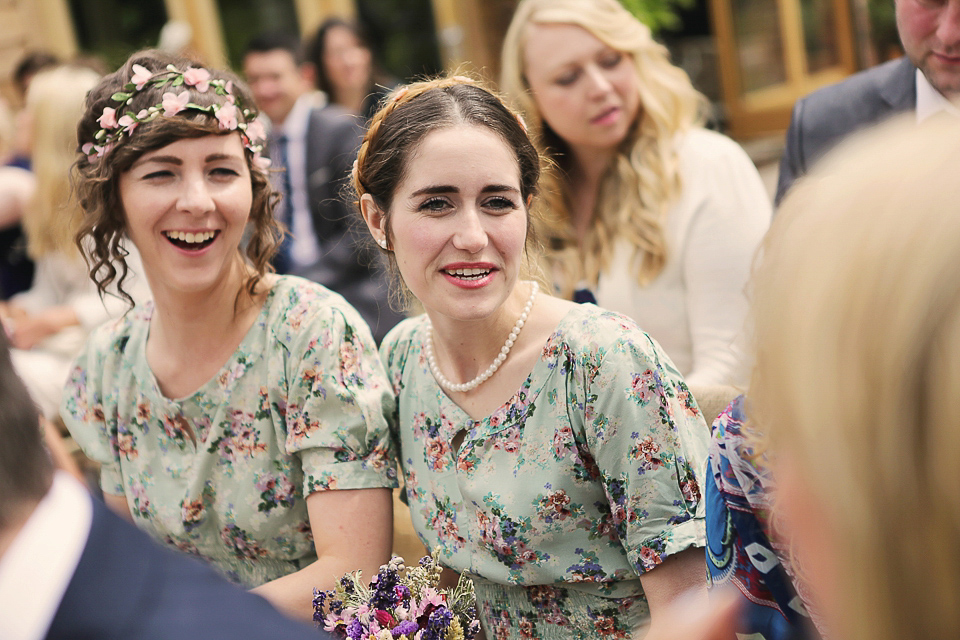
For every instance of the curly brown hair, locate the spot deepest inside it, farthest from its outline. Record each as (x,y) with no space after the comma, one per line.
(410,113)
(96,182)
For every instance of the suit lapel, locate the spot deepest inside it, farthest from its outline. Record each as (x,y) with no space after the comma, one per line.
(900,89)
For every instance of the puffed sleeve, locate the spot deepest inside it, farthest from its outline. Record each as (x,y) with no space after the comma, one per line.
(83,412)
(338,403)
(649,442)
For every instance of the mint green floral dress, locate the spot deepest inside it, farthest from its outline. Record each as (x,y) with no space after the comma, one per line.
(556,503)
(301,406)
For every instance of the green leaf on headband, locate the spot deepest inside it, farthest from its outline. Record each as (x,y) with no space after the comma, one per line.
(177,81)
(119,96)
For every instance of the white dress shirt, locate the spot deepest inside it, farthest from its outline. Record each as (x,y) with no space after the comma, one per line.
(305,250)
(36,569)
(930,101)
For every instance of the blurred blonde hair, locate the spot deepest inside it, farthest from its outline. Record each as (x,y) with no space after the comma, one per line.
(637,192)
(857,318)
(55,102)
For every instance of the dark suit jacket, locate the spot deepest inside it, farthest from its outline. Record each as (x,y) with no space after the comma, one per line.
(826,116)
(346,265)
(126,587)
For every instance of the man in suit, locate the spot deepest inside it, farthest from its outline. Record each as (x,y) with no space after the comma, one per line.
(70,568)
(315,146)
(923,82)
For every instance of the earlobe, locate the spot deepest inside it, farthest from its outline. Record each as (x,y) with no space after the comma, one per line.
(373,216)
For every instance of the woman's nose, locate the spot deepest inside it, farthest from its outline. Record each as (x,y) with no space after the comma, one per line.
(195,197)
(598,82)
(470,235)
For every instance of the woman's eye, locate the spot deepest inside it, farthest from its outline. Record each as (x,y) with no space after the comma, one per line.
(433,205)
(224,171)
(610,59)
(500,203)
(568,78)
(153,175)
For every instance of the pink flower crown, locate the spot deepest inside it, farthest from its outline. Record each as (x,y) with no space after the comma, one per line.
(231,115)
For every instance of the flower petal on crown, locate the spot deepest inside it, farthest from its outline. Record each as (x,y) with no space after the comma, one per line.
(174,103)
(141,75)
(227,116)
(199,78)
(255,130)
(108,120)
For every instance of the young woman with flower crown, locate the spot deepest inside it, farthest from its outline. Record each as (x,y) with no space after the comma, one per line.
(241,416)
(551,451)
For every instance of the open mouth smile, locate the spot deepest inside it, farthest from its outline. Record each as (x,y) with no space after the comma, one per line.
(191,241)
(468,274)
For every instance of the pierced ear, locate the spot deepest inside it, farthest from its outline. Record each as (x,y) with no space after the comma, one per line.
(375,219)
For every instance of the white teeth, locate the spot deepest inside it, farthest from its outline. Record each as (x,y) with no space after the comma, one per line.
(468,273)
(191,238)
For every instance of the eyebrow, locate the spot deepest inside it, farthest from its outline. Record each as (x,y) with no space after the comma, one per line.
(441,188)
(176,160)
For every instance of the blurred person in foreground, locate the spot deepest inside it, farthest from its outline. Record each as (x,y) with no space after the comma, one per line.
(345,69)
(70,568)
(313,146)
(646,212)
(857,381)
(49,322)
(241,416)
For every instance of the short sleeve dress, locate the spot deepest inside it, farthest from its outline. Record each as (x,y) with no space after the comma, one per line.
(301,406)
(557,502)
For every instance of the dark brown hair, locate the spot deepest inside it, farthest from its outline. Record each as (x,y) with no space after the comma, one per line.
(25,466)
(97,182)
(413,111)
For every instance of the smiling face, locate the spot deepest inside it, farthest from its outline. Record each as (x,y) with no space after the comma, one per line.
(276,80)
(930,33)
(458,223)
(186,206)
(585,90)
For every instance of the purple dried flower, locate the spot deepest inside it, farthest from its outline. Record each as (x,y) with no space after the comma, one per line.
(440,619)
(404,627)
(355,629)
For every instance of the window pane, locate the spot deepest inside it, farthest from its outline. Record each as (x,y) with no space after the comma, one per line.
(759,44)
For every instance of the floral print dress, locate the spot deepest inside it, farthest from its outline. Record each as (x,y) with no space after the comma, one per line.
(556,503)
(301,406)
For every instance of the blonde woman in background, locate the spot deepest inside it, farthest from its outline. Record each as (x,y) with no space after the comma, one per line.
(857,382)
(646,212)
(48,323)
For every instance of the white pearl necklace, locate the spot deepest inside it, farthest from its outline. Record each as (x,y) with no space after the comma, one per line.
(492,369)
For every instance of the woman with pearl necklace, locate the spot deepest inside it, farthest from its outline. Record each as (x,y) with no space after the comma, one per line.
(551,451)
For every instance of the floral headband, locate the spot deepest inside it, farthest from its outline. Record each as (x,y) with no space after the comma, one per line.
(231,114)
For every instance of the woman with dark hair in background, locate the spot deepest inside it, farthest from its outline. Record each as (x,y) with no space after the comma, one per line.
(345,67)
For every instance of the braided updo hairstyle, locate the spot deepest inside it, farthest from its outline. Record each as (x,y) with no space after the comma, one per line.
(411,112)
(96,181)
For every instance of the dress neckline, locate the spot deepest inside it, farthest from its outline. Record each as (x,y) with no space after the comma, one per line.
(494,421)
(214,388)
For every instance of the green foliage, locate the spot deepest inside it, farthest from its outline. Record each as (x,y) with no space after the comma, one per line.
(658,14)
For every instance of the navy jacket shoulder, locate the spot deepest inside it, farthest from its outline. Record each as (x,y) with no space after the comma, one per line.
(126,587)
(826,116)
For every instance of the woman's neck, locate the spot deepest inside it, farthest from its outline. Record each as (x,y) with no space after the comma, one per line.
(465,348)
(584,175)
(193,335)
(352,99)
